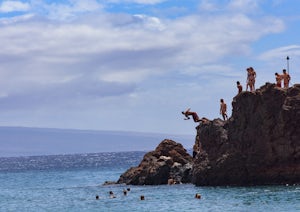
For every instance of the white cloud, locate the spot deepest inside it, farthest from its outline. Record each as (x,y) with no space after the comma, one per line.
(100,60)
(16,19)
(243,5)
(209,69)
(13,6)
(138,1)
(125,76)
(208,5)
(282,52)
(152,23)
(240,6)
(65,10)
(127,50)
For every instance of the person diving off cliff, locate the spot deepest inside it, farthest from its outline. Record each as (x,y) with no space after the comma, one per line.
(188,113)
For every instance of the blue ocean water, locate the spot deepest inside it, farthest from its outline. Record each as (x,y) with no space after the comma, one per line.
(71,182)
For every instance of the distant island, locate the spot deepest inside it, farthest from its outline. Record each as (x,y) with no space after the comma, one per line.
(258,145)
(32,141)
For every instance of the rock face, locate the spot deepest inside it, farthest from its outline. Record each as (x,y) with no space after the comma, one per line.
(168,161)
(258,145)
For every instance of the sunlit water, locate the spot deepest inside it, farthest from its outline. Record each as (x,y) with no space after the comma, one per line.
(71,182)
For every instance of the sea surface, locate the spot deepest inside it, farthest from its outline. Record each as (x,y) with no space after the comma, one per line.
(71,183)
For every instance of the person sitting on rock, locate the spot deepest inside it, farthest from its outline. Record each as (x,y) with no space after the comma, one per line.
(286,78)
(278,79)
(223,109)
(188,113)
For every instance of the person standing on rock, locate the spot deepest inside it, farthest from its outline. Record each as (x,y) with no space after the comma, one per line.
(248,79)
(254,77)
(239,86)
(278,79)
(251,79)
(188,113)
(223,109)
(286,79)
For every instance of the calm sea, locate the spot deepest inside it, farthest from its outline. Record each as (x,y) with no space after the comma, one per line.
(71,182)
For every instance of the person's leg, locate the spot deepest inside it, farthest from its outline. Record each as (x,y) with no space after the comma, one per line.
(251,87)
(195,117)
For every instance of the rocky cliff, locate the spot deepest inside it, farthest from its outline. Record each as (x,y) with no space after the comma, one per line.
(259,144)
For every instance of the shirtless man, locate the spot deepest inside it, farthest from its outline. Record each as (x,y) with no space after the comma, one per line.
(278,79)
(188,113)
(286,79)
(239,86)
(223,109)
(248,79)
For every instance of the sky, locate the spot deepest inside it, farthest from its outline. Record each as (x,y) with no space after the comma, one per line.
(134,65)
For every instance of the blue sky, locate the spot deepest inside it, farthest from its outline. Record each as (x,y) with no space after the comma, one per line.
(134,65)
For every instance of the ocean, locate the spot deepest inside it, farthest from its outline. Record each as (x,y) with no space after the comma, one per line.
(71,183)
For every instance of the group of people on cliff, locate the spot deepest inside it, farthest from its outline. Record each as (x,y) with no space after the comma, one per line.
(285,77)
(250,83)
(251,76)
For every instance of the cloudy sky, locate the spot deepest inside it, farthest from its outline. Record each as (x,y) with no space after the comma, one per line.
(134,65)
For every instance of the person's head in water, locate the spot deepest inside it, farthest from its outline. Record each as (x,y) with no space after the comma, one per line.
(97,197)
(111,194)
(125,192)
(197,196)
(142,197)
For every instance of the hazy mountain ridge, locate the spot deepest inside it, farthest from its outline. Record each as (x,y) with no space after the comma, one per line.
(25,141)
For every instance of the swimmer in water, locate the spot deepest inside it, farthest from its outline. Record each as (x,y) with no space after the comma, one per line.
(197,196)
(111,195)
